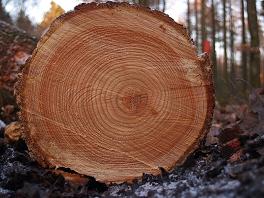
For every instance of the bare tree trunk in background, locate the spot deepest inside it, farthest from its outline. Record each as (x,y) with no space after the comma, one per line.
(1,10)
(204,35)
(231,32)
(225,42)
(157,2)
(244,54)
(254,43)
(1,7)
(262,8)
(214,41)
(196,24)
(164,5)
(189,17)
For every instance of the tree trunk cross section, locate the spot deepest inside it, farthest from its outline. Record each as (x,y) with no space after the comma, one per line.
(110,94)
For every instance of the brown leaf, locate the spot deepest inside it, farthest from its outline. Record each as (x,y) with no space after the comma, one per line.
(13,131)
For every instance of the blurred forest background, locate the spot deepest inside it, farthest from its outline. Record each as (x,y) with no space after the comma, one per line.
(232,32)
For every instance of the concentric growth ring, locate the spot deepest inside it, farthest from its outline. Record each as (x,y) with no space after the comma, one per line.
(114,91)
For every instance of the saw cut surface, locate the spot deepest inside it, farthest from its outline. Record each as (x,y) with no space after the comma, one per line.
(113,91)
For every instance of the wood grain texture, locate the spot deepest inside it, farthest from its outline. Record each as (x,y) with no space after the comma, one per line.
(114,91)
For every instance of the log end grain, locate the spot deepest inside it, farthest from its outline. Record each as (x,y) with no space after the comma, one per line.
(113,91)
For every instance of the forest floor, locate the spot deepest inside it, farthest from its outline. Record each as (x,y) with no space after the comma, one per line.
(229,163)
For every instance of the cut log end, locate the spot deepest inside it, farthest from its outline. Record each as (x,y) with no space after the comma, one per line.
(114,91)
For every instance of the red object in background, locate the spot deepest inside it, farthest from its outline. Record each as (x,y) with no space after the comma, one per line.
(207,46)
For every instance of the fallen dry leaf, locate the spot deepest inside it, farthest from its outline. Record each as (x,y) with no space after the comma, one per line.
(13,131)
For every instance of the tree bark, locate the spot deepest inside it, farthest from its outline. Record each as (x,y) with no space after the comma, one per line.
(196,24)
(244,54)
(231,43)
(225,71)
(114,100)
(189,18)
(163,5)
(262,7)
(254,58)
(203,25)
(214,60)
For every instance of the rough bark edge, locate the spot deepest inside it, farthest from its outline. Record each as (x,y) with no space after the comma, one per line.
(206,68)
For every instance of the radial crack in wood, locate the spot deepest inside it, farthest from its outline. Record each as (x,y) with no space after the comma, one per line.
(113,91)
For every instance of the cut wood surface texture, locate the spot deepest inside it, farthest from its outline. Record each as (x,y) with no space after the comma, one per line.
(113,91)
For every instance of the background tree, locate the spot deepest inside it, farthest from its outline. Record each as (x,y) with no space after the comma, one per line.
(196,24)
(254,43)
(243,45)
(52,14)
(189,17)
(231,41)
(4,16)
(163,5)
(203,24)
(214,61)
(262,7)
(225,72)
(23,22)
